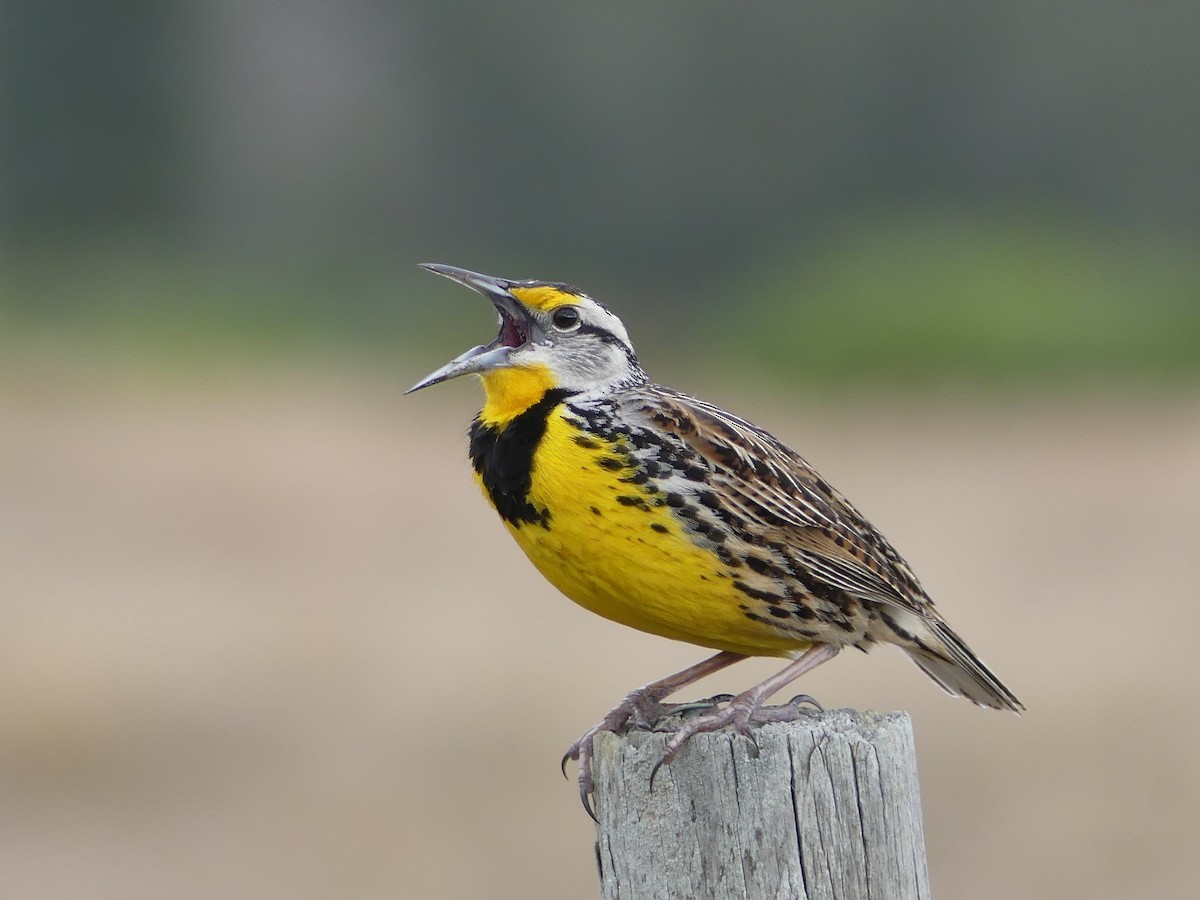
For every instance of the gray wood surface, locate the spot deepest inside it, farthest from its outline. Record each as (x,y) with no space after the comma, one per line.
(830,808)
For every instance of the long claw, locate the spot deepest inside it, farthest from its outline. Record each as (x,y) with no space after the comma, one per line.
(805,700)
(744,731)
(658,765)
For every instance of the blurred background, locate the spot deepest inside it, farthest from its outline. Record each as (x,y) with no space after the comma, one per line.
(259,636)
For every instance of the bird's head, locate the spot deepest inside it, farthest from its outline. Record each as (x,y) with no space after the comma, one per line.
(551,336)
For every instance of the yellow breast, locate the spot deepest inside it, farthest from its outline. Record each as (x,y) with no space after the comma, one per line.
(615,548)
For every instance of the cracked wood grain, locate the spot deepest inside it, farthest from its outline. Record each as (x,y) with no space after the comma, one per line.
(829,810)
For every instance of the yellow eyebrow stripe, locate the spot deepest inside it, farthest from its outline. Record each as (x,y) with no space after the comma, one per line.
(543,297)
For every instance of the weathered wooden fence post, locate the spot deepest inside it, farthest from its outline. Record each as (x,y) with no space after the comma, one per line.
(830,808)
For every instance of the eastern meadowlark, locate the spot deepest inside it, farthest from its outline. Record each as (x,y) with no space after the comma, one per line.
(671,515)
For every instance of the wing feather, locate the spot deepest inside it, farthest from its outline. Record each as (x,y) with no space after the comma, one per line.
(782,500)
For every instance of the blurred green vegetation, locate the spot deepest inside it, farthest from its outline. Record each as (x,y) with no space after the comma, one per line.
(930,297)
(175,310)
(1011,299)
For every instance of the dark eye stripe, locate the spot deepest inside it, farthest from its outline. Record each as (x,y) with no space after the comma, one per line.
(602,333)
(608,337)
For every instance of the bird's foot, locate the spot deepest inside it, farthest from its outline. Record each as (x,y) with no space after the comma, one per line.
(741,713)
(641,709)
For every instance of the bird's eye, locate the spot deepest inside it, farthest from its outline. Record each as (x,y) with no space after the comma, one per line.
(565,318)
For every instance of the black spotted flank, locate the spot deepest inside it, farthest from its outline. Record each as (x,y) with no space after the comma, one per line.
(728,558)
(765,596)
(641,439)
(635,502)
(763,566)
(503,457)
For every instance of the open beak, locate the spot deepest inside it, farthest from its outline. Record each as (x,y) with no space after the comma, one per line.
(514,327)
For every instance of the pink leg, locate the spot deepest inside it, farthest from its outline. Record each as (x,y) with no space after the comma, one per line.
(746,708)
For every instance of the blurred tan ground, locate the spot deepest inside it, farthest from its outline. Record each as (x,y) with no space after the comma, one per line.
(263,640)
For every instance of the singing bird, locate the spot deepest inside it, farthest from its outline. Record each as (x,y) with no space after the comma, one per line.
(668,514)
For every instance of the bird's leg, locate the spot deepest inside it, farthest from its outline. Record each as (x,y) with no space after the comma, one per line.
(747,708)
(641,707)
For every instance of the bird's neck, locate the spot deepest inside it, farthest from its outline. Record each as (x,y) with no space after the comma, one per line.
(511,392)
(502,455)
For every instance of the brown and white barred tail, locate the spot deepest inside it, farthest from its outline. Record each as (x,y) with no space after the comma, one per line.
(959,671)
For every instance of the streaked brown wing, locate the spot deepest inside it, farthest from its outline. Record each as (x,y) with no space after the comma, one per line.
(783,500)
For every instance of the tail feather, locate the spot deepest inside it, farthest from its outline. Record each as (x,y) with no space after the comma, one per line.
(960,672)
